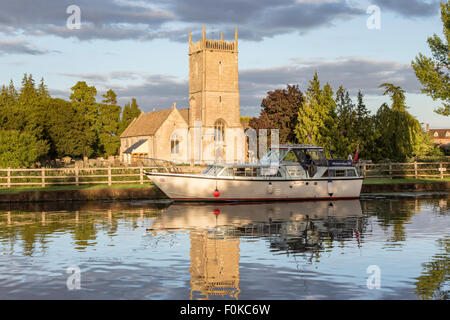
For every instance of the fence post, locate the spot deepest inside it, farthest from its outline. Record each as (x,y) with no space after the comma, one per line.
(141,175)
(43,177)
(390,170)
(441,169)
(109,175)
(364,170)
(415,169)
(77,177)
(8,177)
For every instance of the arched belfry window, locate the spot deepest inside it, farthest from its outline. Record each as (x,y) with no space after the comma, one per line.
(219,131)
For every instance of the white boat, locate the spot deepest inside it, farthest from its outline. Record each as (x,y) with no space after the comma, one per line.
(289,172)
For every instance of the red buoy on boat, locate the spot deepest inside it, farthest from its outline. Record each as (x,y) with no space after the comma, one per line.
(216,212)
(216,193)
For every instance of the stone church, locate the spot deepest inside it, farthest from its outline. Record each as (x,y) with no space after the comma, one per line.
(209,130)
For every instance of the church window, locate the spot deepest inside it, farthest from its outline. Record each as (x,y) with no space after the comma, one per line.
(436,134)
(447,134)
(174,144)
(219,131)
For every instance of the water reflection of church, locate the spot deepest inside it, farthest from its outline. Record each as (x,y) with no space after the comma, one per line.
(216,233)
(214,266)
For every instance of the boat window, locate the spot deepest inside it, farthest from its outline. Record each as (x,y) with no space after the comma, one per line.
(271,156)
(246,172)
(272,171)
(212,170)
(290,157)
(340,173)
(228,172)
(296,171)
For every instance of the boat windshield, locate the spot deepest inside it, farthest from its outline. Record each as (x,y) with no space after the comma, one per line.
(212,170)
(273,156)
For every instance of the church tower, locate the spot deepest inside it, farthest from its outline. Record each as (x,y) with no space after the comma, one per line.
(214,82)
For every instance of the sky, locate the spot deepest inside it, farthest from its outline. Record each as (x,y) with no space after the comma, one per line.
(140,48)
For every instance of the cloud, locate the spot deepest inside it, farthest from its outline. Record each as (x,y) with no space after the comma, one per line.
(19,47)
(148,20)
(352,73)
(103,77)
(161,90)
(410,8)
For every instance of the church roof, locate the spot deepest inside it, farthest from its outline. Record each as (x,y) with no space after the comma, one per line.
(148,123)
(135,146)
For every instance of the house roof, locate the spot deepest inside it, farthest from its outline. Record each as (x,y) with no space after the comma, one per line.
(442,133)
(148,123)
(135,146)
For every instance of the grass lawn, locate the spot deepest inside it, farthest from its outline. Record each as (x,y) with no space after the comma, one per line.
(72,187)
(395,181)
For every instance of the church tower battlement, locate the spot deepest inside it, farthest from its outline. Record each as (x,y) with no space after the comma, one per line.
(214,82)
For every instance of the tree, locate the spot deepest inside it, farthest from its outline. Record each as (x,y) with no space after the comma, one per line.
(20,149)
(346,139)
(433,72)
(110,97)
(69,130)
(134,109)
(364,129)
(316,118)
(397,95)
(279,111)
(399,134)
(129,113)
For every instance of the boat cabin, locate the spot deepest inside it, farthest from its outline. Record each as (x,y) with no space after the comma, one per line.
(288,162)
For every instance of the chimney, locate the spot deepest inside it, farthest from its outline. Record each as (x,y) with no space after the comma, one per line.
(428,128)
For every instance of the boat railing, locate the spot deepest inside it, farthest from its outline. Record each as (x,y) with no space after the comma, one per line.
(159,165)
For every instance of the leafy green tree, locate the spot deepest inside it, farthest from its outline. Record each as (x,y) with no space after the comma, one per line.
(83,98)
(109,114)
(316,118)
(20,149)
(364,129)
(346,140)
(279,111)
(134,109)
(69,130)
(397,95)
(399,135)
(433,72)
(130,112)
(110,97)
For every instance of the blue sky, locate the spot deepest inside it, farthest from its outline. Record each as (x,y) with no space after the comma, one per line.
(139,48)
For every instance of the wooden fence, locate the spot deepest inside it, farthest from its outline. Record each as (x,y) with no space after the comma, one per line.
(72,176)
(415,170)
(111,175)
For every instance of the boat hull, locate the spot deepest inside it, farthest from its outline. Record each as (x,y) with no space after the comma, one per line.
(181,187)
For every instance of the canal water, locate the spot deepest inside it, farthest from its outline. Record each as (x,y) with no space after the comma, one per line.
(374,248)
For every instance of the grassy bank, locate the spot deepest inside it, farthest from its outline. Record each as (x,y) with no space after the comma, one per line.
(72,187)
(397,181)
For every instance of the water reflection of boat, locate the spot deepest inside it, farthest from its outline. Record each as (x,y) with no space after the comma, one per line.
(207,216)
(216,232)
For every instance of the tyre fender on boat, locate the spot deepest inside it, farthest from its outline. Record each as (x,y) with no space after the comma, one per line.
(330,188)
(270,188)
